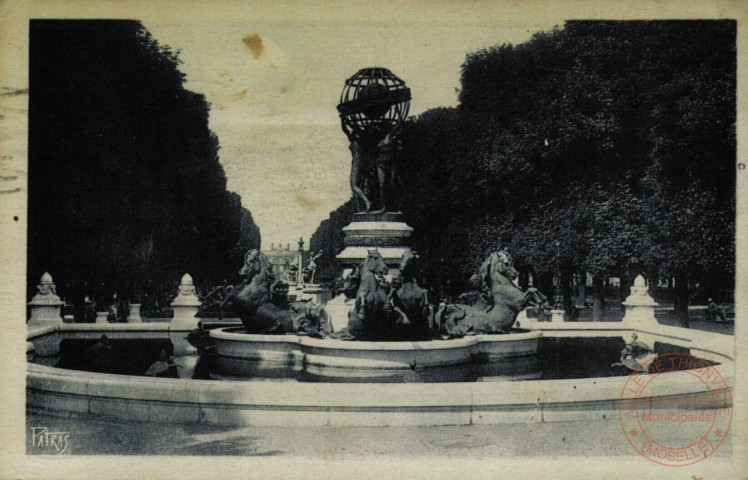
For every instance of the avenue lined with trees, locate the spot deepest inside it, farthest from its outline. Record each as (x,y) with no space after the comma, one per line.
(126,192)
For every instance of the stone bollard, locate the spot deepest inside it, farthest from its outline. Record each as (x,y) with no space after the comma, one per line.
(134,314)
(46,306)
(102,317)
(185,305)
(640,307)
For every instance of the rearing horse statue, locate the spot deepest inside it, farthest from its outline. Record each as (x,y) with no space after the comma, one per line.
(412,301)
(373,316)
(262,304)
(498,301)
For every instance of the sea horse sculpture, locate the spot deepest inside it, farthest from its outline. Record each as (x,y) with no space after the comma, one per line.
(495,302)
(412,301)
(261,301)
(373,316)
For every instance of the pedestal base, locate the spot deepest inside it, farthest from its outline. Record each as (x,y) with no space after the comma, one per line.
(45,314)
(184,318)
(385,232)
(639,316)
(134,314)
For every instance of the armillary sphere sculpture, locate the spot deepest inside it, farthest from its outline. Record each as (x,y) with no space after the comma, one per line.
(372,106)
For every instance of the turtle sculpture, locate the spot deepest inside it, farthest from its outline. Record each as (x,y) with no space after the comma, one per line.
(635,354)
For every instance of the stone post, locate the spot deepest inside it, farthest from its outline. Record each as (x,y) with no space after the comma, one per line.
(134,314)
(102,317)
(640,307)
(185,305)
(46,305)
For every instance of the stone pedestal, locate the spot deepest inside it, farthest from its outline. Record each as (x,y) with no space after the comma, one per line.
(134,314)
(46,306)
(185,305)
(386,232)
(102,317)
(640,307)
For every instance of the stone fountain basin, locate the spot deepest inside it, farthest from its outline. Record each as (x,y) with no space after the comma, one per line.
(69,392)
(243,355)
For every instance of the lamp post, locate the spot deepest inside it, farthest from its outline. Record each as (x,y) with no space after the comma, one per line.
(300,271)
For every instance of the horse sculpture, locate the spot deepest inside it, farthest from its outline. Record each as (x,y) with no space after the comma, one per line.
(262,303)
(373,316)
(495,301)
(412,302)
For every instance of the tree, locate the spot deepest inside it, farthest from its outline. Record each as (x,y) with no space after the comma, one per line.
(126,192)
(603,147)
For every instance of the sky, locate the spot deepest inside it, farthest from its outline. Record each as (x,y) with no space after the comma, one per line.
(274,84)
(273,71)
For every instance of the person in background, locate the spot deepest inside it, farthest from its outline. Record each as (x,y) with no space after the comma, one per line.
(714,311)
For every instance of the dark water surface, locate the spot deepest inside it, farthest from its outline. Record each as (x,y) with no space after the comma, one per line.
(557,358)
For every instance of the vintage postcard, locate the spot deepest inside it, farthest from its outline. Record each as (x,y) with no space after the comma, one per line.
(372,239)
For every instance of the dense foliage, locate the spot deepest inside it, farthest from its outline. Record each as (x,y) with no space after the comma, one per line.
(602,147)
(126,192)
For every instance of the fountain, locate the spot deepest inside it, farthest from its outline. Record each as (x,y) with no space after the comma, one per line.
(445,365)
(382,322)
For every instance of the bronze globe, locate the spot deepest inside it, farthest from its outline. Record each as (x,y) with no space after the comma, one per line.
(373,103)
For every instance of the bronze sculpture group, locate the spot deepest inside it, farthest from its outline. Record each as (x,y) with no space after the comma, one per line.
(383,310)
(372,108)
(494,303)
(373,105)
(261,301)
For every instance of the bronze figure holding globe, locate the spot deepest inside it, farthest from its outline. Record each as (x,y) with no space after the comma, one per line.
(373,105)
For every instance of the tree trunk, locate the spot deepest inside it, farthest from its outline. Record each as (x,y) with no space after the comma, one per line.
(545,285)
(524,280)
(597,310)
(654,284)
(623,290)
(582,288)
(681,299)
(566,293)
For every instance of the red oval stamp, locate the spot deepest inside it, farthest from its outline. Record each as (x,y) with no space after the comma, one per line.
(675,409)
